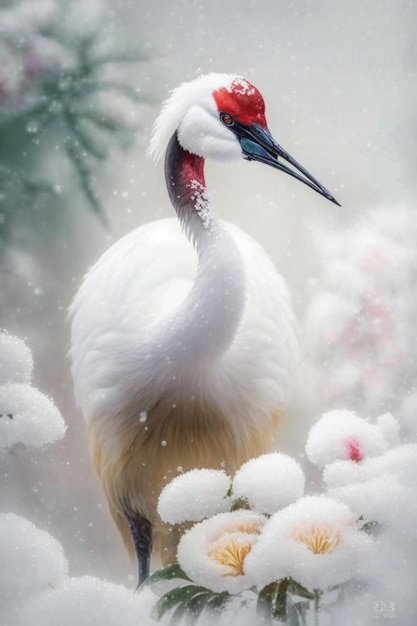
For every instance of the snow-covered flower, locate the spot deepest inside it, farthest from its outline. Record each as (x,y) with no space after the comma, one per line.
(314,541)
(380,500)
(342,435)
(390,428)
(213,553)
(399,463)
(194,495)
(33,561)
(379,487)
(26,415)
(269,482)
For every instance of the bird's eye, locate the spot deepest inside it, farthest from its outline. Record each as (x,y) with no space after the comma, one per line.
(227,119)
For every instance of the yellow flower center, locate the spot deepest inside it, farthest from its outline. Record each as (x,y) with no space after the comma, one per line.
(233,544)
(232,554)
(318,539)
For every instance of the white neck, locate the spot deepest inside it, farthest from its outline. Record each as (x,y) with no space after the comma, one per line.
(204,326)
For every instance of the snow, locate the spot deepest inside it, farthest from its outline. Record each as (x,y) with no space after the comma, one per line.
(315,541)
(35,588)
(201,202)
(380,500)
(85,601)
(194,495)
(213,552)
(362,334)
(32,562)
(241,87)
(26,415)
(390,428)
(399,462)
(343,435)
(269,482)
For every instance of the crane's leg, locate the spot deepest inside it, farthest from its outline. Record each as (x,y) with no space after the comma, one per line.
(141,530)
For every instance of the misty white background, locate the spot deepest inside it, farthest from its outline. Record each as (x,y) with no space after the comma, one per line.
(339,81)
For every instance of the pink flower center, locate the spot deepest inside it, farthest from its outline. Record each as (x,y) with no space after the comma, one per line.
(354,449)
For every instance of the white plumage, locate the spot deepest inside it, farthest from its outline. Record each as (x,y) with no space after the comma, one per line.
(136,286)
(183,343)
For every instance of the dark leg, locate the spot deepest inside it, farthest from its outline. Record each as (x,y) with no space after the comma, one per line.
(141,530)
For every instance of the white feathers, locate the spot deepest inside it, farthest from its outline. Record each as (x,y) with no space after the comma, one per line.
(201,132)
(135,286)
(194,102)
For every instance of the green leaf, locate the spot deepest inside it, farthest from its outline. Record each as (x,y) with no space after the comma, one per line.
(279,607)
(266,598)
(298,590)
(218,601)
(170,572)
(85,177)
(240,503)
(194,607)
(173,598)
(350,589)
(296,612)
(373,528)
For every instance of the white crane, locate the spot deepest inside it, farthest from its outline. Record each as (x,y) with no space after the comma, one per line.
(183,344)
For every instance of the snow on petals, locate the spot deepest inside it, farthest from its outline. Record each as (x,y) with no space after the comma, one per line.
(399,463)
(342,435)
(269,482)
(194,495)
(213,553)
(314,541)
(27,416)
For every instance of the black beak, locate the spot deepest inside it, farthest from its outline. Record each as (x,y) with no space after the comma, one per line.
(258,144)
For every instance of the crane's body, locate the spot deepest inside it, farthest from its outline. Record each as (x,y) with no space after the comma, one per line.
(183,342)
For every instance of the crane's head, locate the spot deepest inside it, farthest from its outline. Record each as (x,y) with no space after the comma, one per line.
(222,116)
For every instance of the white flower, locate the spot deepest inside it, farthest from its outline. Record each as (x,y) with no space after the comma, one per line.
(213,553)
(194,495)
(399,463)
(314,541)
(380,500)
(269,482)
(342,435)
